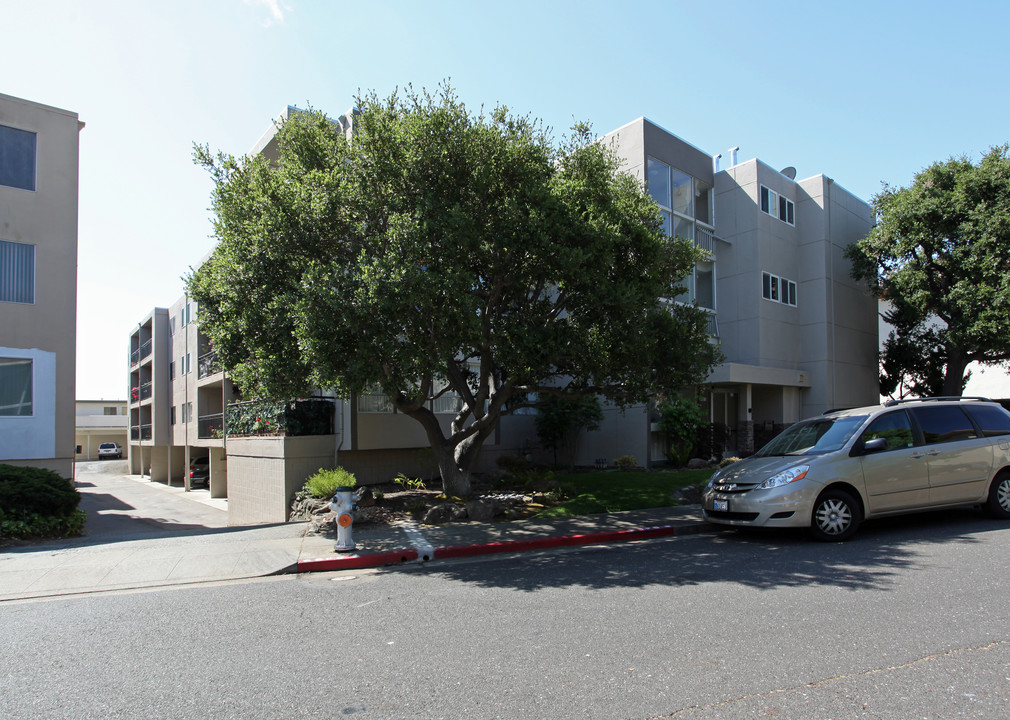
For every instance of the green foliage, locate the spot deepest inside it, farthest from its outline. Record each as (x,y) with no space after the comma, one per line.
(939,255)
(34,525)
(513,464)
(728,461)
(626,462)
(561,418)
(680,419)
(619,491)
(409,483)
(36,502)
(310,416)
(324,483)
(36,490)
(441,250)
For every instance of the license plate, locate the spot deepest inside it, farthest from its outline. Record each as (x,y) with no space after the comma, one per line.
(720,505)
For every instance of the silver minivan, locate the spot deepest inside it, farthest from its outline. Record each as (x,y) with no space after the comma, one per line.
(831,472)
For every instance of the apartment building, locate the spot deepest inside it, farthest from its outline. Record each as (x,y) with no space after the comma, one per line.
(798,334)
(97,422)
(38,283)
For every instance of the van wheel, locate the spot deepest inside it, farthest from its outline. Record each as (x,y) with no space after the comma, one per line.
(836,516)
(998,504)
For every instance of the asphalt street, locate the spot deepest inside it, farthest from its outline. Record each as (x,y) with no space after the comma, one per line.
(904,622)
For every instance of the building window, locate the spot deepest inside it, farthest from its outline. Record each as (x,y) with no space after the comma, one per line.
(184,364)
(15,387)
(171,370)
(17,158)
(171,415)
(111,411)
(17,272)
(777,206)
(374,402)
(778,289)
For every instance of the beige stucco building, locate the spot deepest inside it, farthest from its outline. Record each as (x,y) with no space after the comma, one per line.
(38,283)
(798,334)
(97,422)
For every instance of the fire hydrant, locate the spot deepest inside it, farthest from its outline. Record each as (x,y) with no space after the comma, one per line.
(343,504)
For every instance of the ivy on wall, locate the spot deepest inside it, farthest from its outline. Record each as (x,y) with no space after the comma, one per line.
(311,416)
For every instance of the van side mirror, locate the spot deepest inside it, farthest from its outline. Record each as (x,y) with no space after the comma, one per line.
(875,445)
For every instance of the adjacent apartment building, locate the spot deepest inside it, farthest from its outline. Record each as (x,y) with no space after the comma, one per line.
(97,422)
(798,334)
(38,283)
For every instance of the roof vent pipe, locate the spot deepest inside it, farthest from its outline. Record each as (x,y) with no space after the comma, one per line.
(715,162)
(732,154)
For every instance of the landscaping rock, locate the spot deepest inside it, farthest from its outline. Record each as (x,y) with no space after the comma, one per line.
(481,510)
(697,464)
(441,513)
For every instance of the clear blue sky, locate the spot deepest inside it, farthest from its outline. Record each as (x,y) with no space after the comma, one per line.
(864,92)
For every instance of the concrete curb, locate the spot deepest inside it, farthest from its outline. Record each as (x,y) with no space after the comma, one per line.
(396,557)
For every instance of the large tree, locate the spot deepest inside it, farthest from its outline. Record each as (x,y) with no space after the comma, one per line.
(940,255)
(440,252)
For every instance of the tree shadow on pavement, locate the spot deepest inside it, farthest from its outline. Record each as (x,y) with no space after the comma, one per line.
(766,560)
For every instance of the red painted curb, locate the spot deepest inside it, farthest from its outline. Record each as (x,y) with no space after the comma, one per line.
(355,562)
(554,541)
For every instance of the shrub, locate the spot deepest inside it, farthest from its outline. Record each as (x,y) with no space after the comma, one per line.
(728,461)
(626,462)
(513,465)
(324,483)
(27,490)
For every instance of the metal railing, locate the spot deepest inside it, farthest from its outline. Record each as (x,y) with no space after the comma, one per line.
(207,365)
(210,426)
(140,353)
(140,432)
(704,240)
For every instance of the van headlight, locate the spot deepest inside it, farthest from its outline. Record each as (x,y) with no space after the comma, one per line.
(785,477)
(711,480)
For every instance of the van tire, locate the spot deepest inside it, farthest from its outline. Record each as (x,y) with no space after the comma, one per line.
(836,516)
(998,503)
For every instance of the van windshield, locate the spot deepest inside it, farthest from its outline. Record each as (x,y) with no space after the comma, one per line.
(814,437)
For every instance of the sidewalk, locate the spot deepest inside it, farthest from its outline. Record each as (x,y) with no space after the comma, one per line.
(144,534)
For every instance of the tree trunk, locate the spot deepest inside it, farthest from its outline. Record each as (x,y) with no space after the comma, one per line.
(953,376)
(455,479)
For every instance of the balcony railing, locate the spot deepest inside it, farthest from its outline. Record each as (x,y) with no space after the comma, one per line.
(704,240)
(140,353)
(141,432)
(207,365)
(210,426)
(309,416)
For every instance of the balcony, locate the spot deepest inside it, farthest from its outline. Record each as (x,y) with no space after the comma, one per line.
(140,392)
(210,426)
(140,353)
(309,416)
(142,432)
(704,240)
(207,365)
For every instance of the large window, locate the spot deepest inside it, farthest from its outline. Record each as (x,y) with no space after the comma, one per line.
(685,204)
(778,289)
(778,206)
(15,387)
(17,158)
(17,272)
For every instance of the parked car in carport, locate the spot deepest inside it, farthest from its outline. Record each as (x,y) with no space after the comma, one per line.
(109,450)
(199,471)
(831,472)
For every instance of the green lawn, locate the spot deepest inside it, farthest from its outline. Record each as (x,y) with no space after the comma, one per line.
(615,491)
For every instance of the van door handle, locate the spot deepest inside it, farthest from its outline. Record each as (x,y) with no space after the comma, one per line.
(934,452)
(918,455)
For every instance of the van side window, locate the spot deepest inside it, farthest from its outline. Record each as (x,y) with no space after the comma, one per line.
(946,423)
(993,420)
(895,427)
